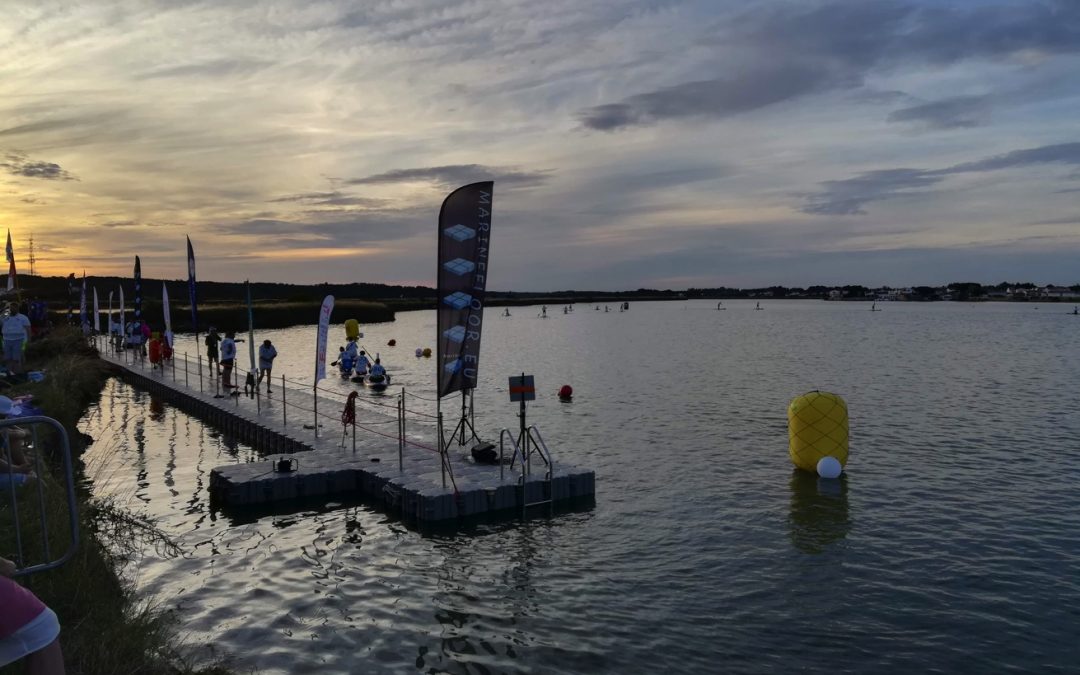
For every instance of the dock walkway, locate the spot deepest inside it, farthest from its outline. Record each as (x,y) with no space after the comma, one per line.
(388,457)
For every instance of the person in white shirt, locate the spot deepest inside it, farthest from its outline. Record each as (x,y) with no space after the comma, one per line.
(228,358)
(16,332)
(267,354)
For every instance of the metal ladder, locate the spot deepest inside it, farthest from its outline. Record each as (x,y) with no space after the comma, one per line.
(532,441)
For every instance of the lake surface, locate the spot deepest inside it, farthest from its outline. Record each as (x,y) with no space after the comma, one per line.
(952,545)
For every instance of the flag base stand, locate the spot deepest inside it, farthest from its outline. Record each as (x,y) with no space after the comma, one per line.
(465,424)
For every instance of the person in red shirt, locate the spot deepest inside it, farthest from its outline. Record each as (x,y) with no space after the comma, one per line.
(155,351)
(28,629)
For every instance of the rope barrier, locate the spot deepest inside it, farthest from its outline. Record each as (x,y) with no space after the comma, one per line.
(407,441)
(422,398)
(422,414)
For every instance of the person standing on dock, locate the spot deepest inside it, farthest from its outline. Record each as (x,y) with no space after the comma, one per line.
(228,358)
(267,354)
(211,341)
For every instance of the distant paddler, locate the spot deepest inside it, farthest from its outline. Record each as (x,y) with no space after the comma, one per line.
(506,311)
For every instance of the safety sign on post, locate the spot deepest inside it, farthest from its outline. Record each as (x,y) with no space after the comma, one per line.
(522,388)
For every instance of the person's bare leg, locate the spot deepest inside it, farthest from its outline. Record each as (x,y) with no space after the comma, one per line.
(46,661)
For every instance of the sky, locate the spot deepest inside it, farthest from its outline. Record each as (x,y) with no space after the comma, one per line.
(636,143)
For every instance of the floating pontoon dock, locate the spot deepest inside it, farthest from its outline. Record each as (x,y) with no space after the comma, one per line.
(389,457)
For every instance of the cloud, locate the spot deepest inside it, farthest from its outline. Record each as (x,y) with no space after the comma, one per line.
(1062,153)
(20,165)
(334,198)
(214,68)
(959,112)
(719,97)
(1069,220)
(779,54)
(849,196)
(454,175)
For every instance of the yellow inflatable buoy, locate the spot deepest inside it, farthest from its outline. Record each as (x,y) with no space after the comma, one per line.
(352,329)
(817,428)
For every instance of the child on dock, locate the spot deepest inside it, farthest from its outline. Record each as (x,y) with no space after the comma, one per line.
(155,352)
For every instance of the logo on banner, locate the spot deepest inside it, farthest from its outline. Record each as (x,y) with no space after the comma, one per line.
(460,233)
(459,266)
(453,367)
(458,300)
(455,334)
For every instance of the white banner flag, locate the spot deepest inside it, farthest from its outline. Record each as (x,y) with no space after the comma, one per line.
(324,328)
(168,315)
(97,313)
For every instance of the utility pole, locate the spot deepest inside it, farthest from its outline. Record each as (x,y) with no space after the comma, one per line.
(32,258)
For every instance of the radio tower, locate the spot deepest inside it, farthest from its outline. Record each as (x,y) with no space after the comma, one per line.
(32,259)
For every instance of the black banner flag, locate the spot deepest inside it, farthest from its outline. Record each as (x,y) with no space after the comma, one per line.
(138,289)
(191,289)
(464,232)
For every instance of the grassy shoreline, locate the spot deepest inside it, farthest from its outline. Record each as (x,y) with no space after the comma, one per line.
(105,626)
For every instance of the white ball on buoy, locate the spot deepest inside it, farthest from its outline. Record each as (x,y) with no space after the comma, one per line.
(829,467)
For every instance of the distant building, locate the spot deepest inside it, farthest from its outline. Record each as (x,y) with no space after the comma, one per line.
(1056,292)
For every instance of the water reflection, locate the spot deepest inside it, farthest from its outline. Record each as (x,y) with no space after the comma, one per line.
(819,511)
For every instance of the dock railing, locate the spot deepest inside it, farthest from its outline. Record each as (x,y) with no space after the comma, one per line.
(318,406)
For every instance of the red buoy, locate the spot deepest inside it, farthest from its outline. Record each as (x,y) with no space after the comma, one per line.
(566,392)
(392,343)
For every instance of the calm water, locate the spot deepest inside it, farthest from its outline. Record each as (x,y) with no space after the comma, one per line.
(952,546)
